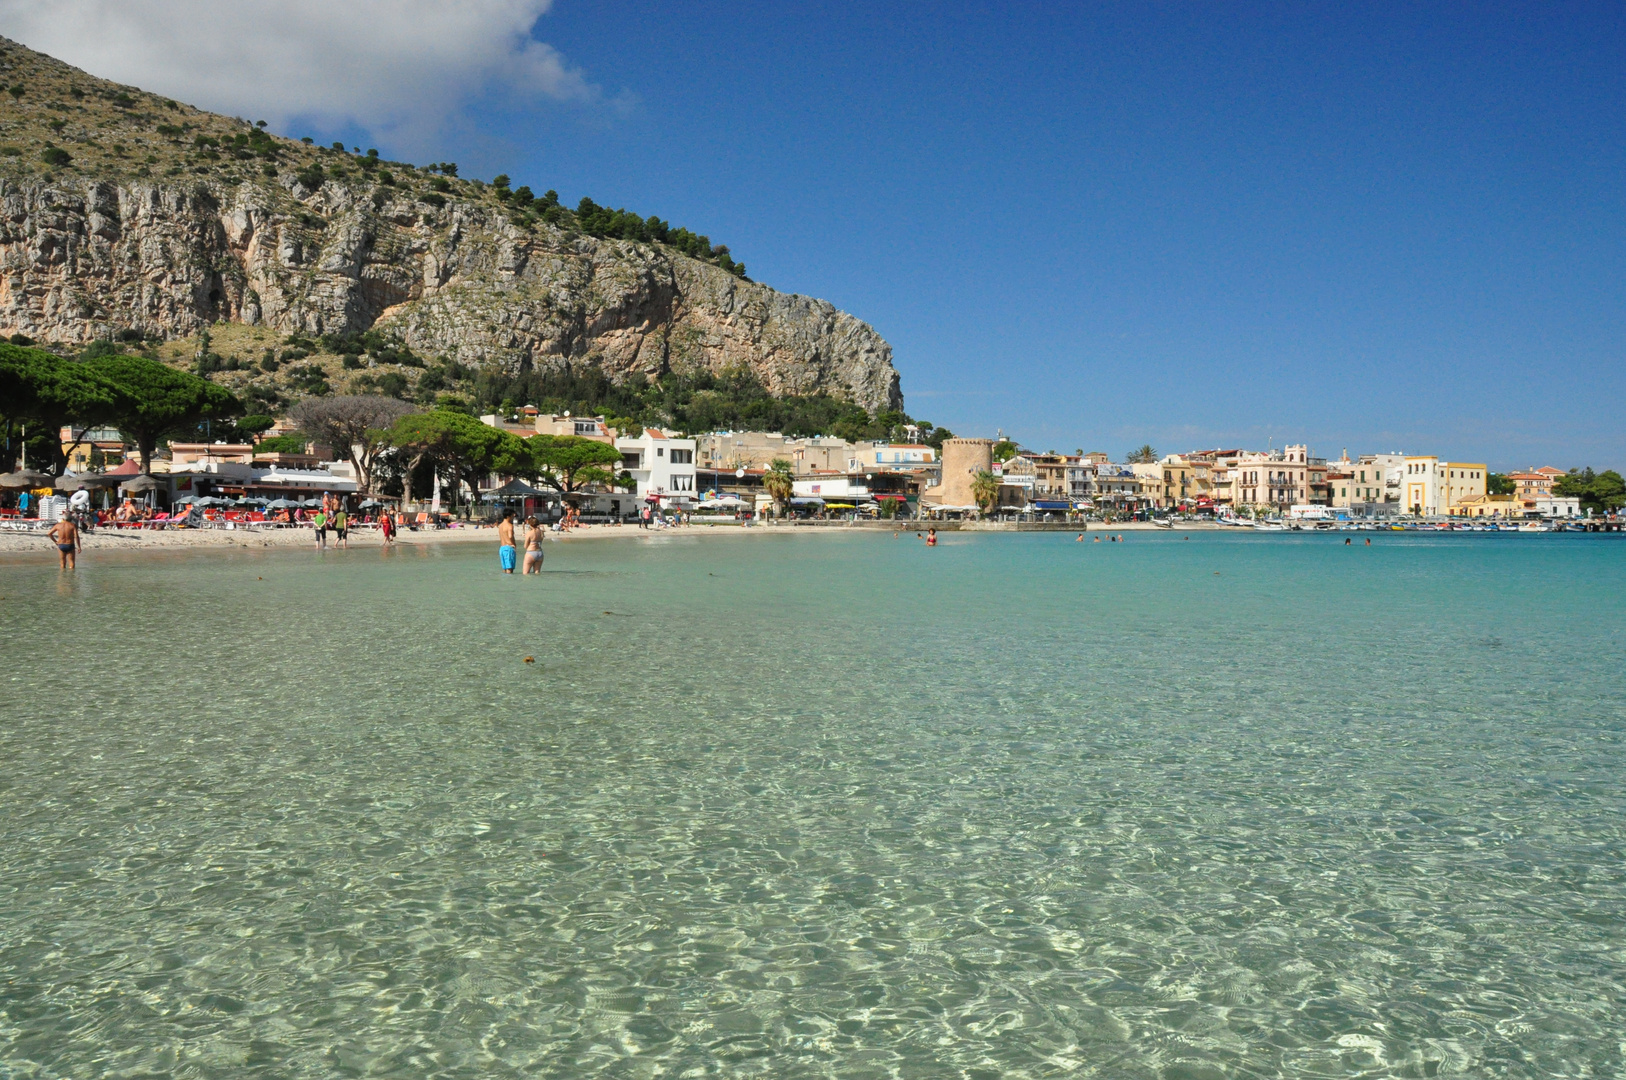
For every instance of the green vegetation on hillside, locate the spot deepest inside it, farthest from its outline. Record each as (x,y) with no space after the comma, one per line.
(733,400)
(58,122)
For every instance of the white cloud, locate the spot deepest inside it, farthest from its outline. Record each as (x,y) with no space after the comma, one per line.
(383,64)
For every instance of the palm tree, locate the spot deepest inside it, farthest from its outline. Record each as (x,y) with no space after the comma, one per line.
(1144,456)
(985,489)
(778,482)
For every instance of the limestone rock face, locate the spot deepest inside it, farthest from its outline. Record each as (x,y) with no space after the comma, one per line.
(82,259)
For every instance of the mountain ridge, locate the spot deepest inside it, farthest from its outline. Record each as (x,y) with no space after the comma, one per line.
(127,213)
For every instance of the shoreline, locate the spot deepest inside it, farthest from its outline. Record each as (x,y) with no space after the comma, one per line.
(249,539)
(106,540)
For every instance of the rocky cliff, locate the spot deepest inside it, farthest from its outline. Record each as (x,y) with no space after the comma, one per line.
(190,219)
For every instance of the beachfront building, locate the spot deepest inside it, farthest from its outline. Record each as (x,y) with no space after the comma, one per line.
(1532,486)
(899,472)
(1357,484)
(1116,487)
(1276,479)
(1018,479)
(1488,506)
(1559,506)
(730,451)
(1149,477)
(962,460)
(1174,481)
(583,427)
(1080,470)
(836,490)
(1317,474)
(185,454)
(662,465)
(1432,487)
(94,449)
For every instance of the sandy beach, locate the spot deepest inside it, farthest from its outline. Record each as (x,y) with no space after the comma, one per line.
(126,540)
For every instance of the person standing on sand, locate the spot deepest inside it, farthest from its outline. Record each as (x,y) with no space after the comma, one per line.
(533,546)
(386,528)
(66,537)
(505,541)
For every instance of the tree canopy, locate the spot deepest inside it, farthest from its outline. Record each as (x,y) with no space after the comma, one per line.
(282,444)
(570,462)
(40,388)
(156,399)
(353,425)
(456,443)
(1144,454)
(731,400)
(779,481)
(985,489)
(1599,493)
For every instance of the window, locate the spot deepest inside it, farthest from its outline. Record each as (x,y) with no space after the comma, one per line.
(587,427)
(683,483)
(660,451)
(632,460)
(682,457)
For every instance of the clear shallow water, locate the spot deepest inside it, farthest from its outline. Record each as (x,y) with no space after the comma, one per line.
(819,806)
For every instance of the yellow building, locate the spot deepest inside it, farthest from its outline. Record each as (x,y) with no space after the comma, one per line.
(1432,488)
(1488,506)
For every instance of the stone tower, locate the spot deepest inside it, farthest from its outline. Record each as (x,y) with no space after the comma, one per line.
(962,460)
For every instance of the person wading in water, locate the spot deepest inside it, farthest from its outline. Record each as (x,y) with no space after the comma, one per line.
(65,534)
(533,546)
(505,541)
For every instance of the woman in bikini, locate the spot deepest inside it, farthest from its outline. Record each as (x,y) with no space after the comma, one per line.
(533,546)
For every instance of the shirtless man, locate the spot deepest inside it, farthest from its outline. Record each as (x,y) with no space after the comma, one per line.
(505,541)
(66,537)
(533,546)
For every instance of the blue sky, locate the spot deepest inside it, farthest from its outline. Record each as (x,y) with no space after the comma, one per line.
(1093,226)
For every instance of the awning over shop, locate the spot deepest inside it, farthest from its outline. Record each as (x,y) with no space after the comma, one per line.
(518,489)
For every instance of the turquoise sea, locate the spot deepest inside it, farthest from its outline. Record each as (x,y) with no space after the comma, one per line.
(827,805)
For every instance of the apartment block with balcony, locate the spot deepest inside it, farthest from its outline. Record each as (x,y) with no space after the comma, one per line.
(662,465)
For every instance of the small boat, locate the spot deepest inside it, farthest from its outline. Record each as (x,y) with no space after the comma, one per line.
(1270,526)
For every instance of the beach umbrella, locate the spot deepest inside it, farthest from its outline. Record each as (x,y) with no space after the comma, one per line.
(25,480)
(142,483)
(76,483)
(281,504)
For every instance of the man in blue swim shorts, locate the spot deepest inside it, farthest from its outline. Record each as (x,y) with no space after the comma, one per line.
(505,538)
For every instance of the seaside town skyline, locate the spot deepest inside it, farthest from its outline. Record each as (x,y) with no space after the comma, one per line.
(906,477)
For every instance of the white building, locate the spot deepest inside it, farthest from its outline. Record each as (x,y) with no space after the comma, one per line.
(1434,487)
(662,465)
(839,487)
(1558,506)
